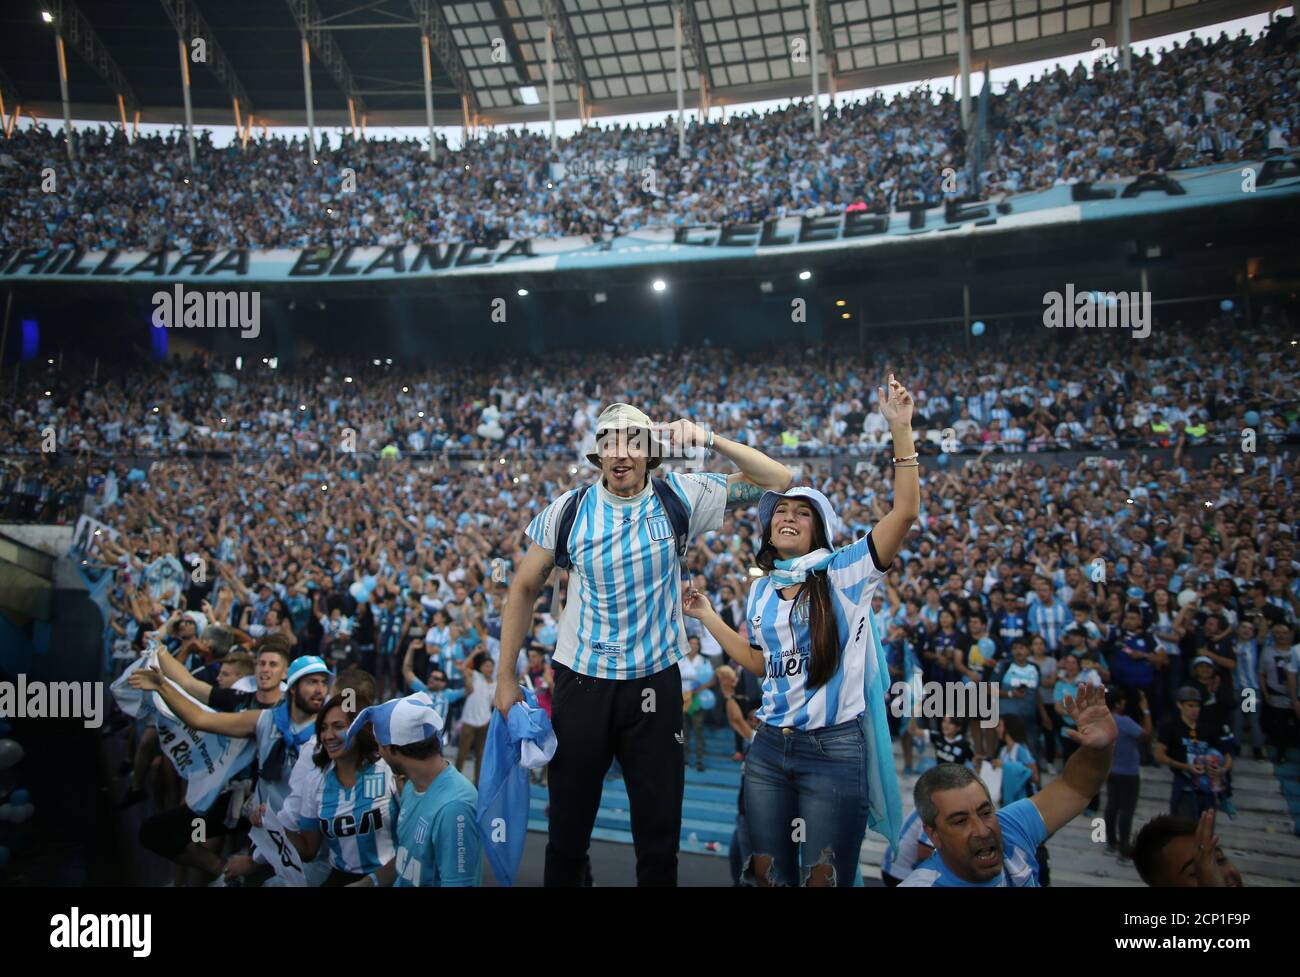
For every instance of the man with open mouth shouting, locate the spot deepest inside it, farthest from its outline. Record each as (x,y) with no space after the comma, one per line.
(978,845)
(618,692)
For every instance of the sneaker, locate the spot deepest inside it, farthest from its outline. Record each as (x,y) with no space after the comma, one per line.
(1111,849)
(1124,860)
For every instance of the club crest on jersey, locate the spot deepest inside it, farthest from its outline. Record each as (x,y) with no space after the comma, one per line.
(660,527)
(421,831)
(799,613)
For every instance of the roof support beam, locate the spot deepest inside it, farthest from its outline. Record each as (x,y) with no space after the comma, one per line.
(566,46)
(828,43)
(73,26)
(442,45)
(308,20)
(691,34)
(189,24)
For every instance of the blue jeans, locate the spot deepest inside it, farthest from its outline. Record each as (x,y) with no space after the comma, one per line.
(807,787)
(1186,800)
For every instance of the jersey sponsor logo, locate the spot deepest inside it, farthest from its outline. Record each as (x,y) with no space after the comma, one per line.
(347,826)
(790,664)
(607,647)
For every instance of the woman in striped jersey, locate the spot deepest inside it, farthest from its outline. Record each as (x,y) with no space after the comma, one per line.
(353,809)
(816,770)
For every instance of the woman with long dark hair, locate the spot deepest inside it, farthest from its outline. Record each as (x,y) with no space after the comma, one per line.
(352,810)
(821,764)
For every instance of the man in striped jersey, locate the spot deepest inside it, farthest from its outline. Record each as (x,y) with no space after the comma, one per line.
(617,687)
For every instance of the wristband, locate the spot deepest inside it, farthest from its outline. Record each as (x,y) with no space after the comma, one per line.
(709,445)
(912,457)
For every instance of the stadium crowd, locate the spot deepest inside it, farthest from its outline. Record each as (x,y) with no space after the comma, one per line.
(1187,381)
(1151,576)
(1201,103)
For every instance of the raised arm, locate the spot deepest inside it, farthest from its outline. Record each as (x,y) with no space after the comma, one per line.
(175,671)
(1065,798)
(239,724)
(758,473)
(888,535)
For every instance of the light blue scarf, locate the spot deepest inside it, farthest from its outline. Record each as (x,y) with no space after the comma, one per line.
(791,572)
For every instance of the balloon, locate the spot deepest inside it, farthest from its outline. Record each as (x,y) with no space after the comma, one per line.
(977,329)
(1187,598)
(10,753)
(20,796)
(1226,305)
(1252,418)
(706,698)
(943,458)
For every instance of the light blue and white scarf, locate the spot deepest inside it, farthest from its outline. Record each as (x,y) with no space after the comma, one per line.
(790,572)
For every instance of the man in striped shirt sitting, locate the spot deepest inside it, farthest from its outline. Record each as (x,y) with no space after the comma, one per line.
(618,692)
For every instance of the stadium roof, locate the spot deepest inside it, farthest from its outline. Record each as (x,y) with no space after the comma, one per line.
(483,52)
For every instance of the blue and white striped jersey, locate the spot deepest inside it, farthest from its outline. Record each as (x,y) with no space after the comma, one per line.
(779,628)
(899,866)
(357,824)
(623,619)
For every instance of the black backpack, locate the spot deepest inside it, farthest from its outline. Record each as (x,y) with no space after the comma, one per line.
(674,508)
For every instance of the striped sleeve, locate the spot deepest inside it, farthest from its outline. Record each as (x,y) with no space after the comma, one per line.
(855,570)
(706,497)
(543,528)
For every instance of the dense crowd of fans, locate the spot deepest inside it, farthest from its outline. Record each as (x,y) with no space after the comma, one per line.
(1200,103)
(1153,576)
(1022,392)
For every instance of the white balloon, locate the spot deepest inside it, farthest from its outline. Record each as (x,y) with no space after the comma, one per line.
(11,752)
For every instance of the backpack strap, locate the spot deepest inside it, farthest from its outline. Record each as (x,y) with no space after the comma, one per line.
(679,517)
(567,515)
(675,509)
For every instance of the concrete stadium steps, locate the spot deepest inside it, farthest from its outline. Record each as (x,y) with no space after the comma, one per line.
(1261,839)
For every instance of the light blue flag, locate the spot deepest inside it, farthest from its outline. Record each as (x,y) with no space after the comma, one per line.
(884,802)
(525,740)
